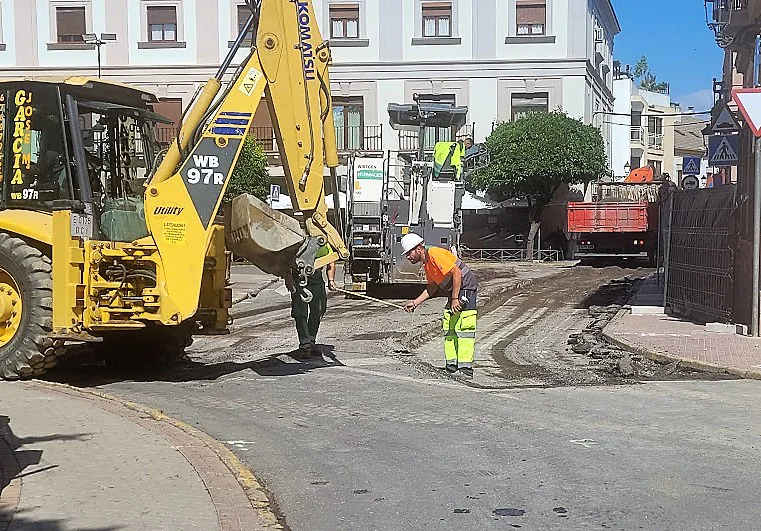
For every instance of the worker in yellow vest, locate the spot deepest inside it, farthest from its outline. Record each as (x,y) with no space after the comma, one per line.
(448,274)
(447,159)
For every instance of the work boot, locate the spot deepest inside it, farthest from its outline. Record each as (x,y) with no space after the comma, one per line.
(451,368)
(302,353)
(467,373)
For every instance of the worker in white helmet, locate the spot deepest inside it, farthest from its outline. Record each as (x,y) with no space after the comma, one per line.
(449,275)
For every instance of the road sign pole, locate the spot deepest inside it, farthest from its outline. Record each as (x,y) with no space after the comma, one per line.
(755,324)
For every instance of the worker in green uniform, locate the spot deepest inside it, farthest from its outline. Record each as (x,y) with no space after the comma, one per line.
(308,315)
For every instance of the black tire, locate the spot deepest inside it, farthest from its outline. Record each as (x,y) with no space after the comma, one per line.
(30,351)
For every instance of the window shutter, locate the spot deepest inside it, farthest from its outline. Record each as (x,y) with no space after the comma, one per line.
(531,12)
(162,15)
(437,9)
(344,11)
(243,13)
(71,20)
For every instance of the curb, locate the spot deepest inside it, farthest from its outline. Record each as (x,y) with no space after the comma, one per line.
(244,477)
(661,357)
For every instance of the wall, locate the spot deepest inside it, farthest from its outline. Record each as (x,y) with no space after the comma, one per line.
(621,130)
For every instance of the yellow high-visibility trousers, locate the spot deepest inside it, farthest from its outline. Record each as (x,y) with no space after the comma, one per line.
(460,338)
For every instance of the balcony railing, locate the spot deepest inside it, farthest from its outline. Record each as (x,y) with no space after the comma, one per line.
(353,138)
(165,134)
(637,135)
(408,140)
(359,138)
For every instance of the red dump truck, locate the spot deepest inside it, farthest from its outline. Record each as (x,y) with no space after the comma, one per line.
(621,221)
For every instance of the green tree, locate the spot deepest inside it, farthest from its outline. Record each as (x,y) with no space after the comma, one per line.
(532,156)
(250,174)
(647,80)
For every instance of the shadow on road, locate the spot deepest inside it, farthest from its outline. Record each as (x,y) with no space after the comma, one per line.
(14,464)
(276,365)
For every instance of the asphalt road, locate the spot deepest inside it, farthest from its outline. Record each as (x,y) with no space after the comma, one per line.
(373,439)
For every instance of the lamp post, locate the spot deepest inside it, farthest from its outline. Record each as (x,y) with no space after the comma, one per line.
(627,169)
(92,38)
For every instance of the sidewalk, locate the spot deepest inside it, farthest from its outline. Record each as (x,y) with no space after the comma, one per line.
(646,329)
(70,460)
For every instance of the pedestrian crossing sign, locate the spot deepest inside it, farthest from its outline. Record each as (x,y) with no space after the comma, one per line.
(691,165)
(723,150)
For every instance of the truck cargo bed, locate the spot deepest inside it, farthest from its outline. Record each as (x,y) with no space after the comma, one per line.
(608,217)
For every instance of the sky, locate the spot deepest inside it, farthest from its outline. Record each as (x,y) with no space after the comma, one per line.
(679,47)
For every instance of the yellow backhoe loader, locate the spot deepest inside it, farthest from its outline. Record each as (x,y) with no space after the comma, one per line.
(106,239)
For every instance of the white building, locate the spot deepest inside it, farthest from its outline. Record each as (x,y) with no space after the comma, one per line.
(643,127)
(500,58)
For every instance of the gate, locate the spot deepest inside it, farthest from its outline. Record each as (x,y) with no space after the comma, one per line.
(699,258)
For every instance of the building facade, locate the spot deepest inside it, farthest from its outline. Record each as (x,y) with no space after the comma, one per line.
(501,58)
(643,130)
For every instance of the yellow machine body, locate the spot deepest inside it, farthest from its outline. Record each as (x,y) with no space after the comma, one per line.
(187,247)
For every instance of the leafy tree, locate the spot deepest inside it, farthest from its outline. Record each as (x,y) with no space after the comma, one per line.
(532,156)
(250,174)
(648,80)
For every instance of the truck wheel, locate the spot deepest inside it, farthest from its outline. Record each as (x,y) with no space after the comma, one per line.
(26,310)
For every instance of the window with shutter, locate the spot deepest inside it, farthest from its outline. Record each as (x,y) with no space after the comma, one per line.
(437,19)
(71,24)
(344,21)
(162,23)
(531,17)
(243,14)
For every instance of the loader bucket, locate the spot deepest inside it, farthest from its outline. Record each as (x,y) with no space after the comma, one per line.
(267,238)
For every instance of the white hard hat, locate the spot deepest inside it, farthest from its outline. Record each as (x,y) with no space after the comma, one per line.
(410,241)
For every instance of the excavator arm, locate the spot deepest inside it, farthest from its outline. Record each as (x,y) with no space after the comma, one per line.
(288,65)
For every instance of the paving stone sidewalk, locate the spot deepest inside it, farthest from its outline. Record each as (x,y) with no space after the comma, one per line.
(646,329)
(77,461)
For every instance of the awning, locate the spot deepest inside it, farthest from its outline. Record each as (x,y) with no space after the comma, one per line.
(472,201)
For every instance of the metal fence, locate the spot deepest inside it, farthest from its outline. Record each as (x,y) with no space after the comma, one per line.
(508,255)
(699,259)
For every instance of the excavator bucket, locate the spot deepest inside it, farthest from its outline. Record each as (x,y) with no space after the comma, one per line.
(267,238)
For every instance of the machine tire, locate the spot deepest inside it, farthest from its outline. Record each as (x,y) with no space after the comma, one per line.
(148,351)
(30,351)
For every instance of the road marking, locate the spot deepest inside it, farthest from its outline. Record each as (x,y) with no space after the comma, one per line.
(359,362)
(586,443)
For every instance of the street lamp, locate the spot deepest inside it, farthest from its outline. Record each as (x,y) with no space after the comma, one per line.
(627,168)
(92,38)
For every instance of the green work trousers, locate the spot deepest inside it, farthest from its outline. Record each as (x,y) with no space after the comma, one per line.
(308,315)
(460,338)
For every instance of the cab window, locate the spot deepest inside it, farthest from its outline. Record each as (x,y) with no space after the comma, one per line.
(36,172)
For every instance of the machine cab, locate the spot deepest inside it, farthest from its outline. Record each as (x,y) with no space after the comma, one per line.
(79,144)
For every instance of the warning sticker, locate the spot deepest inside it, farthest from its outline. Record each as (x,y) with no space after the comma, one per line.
(175,232)
(248,84)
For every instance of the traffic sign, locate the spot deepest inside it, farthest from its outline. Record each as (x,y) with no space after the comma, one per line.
(749,102)
(274,193)
(691,165)
(725,121)
(690,182)
(723,150)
